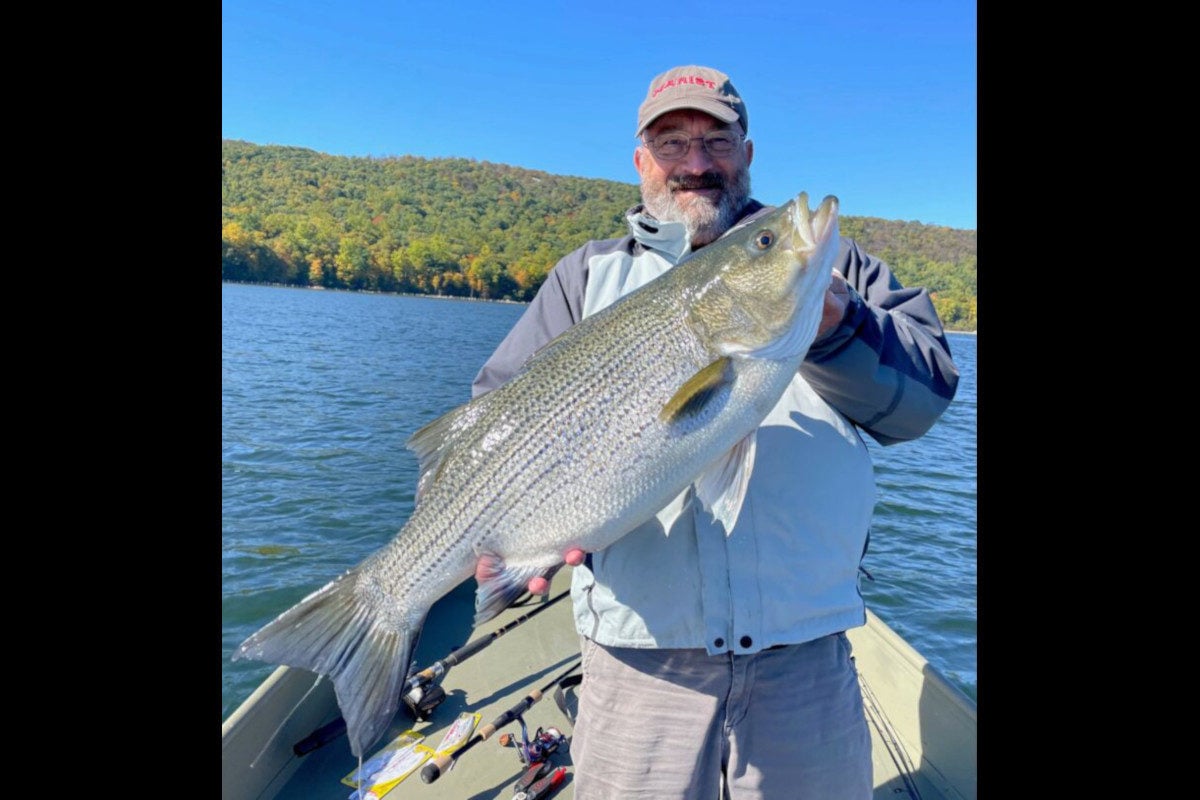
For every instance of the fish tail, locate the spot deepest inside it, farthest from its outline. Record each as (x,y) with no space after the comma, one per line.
(333,632)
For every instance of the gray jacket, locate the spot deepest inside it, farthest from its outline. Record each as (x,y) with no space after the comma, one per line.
(788,571)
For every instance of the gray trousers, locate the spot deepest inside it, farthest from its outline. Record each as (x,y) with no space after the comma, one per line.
(782,724)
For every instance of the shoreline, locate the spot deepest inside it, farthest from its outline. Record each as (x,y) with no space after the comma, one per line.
(434,296)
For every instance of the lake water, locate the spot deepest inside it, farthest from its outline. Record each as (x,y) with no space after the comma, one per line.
(320,390)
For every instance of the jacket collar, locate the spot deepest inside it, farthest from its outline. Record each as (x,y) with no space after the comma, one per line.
(670,238)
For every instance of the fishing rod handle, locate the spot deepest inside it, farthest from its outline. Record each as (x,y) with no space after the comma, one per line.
(437,767)
(433,770)
(427,675)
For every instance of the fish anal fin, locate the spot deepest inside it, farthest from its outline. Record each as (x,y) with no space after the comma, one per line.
(501,583)
(668,516)
(698,390)
(721,488)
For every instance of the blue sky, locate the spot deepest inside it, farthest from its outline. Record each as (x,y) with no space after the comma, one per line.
(874,102)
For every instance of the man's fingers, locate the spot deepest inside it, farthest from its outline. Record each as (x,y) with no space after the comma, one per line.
(573,557)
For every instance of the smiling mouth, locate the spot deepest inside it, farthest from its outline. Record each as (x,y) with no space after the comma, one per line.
(710,192)
(702,183)
(707,196)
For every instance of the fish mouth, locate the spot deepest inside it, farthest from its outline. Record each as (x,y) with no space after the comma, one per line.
(814,246)
(811,228)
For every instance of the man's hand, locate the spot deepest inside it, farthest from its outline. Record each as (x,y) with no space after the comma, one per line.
(836,299)
(540,585)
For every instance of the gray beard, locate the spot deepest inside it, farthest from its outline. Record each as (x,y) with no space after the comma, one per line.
(704,220)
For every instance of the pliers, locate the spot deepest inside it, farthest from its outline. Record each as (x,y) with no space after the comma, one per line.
(536,784)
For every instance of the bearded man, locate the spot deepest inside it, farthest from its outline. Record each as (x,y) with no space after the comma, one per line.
(714,665)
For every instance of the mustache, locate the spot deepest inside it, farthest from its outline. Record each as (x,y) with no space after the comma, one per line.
(706,180)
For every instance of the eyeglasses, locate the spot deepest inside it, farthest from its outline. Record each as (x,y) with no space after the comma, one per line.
(674,145)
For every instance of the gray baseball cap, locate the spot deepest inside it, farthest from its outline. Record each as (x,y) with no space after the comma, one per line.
(702,88)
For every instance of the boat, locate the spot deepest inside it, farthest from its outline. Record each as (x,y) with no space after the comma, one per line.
(923,728)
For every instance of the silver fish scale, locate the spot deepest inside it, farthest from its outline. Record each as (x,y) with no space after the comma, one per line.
(571,452)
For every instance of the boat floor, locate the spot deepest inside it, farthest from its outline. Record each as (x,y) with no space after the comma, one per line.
(258,761)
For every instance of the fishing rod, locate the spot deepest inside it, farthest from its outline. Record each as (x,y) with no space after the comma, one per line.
(438,668)
(416,698)
(438,766)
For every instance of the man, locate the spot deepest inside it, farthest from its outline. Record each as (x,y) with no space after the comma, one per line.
(708,660)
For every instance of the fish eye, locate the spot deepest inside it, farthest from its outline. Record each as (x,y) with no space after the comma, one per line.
(764,239)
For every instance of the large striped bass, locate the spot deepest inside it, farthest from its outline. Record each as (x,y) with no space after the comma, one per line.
(601,429)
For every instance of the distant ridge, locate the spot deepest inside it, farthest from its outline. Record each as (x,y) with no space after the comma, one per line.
(458,226)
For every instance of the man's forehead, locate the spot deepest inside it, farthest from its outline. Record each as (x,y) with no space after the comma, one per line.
(687,118)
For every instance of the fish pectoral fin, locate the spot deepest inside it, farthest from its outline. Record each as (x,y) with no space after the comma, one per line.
(696,393)
(722,487)
(501,583)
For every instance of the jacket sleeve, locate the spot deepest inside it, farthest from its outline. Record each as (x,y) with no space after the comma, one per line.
(887,366)
(557,306)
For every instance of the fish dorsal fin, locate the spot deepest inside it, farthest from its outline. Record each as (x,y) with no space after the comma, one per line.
(433,441)
(722,487)
(699,389)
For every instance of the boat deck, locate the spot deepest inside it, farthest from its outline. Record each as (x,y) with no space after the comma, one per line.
(923,729)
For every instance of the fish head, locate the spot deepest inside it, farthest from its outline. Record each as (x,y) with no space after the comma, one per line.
(765,282)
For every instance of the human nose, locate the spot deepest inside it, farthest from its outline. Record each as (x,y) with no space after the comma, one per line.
(697,158)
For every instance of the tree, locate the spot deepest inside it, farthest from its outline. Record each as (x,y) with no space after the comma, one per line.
(529,271)
(485,273)
(319,275)
(461,226)
(353,263)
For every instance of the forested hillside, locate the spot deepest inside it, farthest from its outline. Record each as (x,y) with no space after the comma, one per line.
(472,228)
